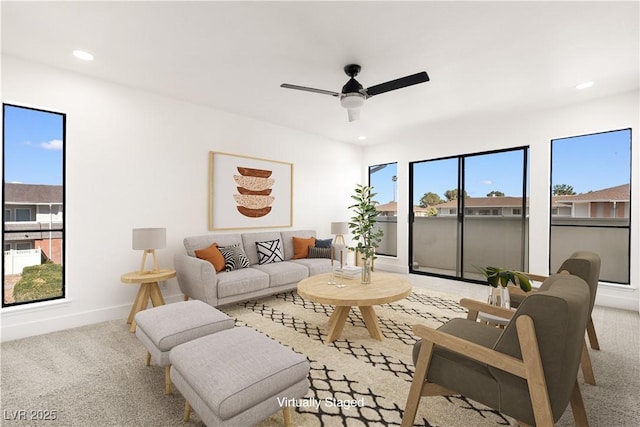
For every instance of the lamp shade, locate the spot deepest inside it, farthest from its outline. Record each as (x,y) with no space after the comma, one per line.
(149,238)
(338,228)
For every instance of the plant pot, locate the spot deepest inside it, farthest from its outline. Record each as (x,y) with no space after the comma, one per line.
(367,264)
(499,296)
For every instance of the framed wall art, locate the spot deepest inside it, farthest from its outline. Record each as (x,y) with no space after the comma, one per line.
(248,192)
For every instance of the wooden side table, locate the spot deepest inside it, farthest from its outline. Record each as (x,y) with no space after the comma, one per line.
(149,288)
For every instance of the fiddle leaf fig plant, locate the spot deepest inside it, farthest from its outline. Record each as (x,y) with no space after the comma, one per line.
(363,222)
(502,276)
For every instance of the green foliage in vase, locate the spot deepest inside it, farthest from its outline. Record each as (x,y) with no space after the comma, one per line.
(502,276)
(363,222)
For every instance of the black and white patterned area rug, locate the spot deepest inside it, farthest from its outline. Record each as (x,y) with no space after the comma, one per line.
(356,380)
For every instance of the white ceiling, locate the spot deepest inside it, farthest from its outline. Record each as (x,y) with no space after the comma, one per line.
(482,57)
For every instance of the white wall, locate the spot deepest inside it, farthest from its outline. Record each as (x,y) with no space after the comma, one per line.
(135,159)
(505,130)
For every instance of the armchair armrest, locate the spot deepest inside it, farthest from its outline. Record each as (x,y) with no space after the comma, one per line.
(516,291)
(475,307)
(472,350)
(536,277)
(197,278)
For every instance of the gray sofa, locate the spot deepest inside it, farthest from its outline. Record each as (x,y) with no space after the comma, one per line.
(198,279)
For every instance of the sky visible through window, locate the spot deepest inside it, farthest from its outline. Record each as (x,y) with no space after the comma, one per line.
(32,146)
(604,163)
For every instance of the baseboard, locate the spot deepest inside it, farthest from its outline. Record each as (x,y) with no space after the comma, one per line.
(45,325)
(617,298)
(391,268)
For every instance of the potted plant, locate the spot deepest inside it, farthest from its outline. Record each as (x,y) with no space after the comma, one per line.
(499,279)
(363,228)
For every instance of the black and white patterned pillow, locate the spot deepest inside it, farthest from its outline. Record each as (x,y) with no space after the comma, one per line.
(234,257)
(269,251)
(316,252)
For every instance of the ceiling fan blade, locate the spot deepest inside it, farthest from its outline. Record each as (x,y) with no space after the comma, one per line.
(310,89)
(354,114)
(413,79)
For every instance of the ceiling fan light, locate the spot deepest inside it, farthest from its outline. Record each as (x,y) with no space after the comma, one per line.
(352,101)
(354,114)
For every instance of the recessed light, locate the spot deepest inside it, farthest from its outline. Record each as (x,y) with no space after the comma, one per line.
(81,54)
(362,137)
(584,85)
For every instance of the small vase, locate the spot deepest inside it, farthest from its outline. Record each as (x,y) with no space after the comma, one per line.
(366,270)
(499,296)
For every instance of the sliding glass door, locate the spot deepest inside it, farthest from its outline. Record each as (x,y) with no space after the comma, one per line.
(469,211)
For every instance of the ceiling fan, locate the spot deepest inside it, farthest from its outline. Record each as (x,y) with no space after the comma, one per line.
(353,95)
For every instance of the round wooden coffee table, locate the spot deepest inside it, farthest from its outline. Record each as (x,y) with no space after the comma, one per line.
(384,288)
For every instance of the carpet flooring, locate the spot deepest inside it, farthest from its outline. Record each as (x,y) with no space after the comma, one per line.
(95,375)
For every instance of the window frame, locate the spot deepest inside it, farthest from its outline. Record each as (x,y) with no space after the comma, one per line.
(33,212)
(555,211)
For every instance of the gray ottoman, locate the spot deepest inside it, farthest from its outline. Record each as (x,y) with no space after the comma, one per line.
(164,327)
(238,377)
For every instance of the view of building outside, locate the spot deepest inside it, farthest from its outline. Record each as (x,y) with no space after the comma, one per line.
(591,200)
(33,202)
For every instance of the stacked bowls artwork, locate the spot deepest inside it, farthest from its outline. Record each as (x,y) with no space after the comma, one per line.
(254,186)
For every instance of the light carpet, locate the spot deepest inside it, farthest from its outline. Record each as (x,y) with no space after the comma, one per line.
(95,375)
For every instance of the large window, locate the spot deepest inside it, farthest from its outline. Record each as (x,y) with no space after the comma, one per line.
(469,211)
(33,197)
(383,179)
(591,200)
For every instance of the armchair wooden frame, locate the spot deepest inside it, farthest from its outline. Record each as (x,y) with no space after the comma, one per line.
(585,360)
(530,367)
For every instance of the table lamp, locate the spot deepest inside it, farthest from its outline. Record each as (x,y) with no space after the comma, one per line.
(148,240)
(339,229)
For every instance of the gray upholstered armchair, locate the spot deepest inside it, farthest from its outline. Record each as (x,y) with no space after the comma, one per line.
(585,265)
(526,370)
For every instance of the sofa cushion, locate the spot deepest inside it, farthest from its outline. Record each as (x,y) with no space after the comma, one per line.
(282,273)
(191,244)
(234,258)
(269,251)
(287,240)
(314,265)
(315,252)
(213,255)
(242,281)
(301,246)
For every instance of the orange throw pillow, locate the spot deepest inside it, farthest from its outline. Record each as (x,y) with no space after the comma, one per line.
(301,247)
(213,255)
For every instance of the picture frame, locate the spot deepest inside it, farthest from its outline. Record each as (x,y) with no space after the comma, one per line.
(249,192)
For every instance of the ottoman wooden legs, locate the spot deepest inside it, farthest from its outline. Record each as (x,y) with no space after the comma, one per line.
(286,413)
